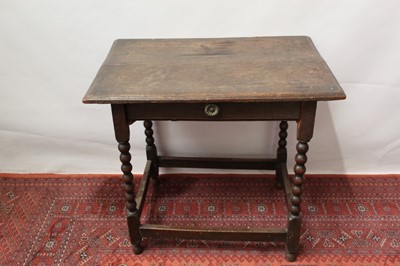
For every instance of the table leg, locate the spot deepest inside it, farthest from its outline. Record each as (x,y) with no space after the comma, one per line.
(151,150)
(305,128)
(122,134)
(281,153)
(297,189)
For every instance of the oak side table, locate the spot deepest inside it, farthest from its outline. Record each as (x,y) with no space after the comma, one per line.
(222,79)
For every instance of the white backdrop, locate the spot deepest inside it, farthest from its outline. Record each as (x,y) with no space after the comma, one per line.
(51,50)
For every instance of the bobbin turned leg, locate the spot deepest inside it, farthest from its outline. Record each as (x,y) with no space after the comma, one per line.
(151,150)
(281,154)
(121,128)
(297,189)
(305,128)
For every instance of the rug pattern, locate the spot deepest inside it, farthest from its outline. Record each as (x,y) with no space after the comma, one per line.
(80,220)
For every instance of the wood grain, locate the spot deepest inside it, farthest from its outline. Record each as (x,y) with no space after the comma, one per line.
(233,234)
(260,69)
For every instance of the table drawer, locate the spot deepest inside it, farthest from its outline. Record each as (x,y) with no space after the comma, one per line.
(214,111)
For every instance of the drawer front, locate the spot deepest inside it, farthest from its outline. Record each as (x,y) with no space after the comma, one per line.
(214,111)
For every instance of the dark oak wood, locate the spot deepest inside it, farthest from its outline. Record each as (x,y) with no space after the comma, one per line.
(287,185)
(144,185)
(228,111)
(292,243)
(293,237)
(227,79)
(121,128)
(298,179)
(151,150)
(233,234)
(260,69)
(217,163)
(281,153)
(305,125)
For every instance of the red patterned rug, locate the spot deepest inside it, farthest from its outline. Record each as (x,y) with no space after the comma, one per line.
(79,220)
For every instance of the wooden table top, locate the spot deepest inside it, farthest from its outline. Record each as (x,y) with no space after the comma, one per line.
(259,69)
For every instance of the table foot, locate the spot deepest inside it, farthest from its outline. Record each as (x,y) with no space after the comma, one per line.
(137,249)
(290,257)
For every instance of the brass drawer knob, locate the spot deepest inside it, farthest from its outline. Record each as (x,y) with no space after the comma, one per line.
(211,109)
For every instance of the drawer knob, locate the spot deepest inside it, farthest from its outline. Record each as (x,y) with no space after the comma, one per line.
(211,109)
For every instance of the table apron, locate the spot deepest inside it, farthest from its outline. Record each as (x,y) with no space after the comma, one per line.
(227,111)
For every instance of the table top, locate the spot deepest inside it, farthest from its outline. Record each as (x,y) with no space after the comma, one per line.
(257,69)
